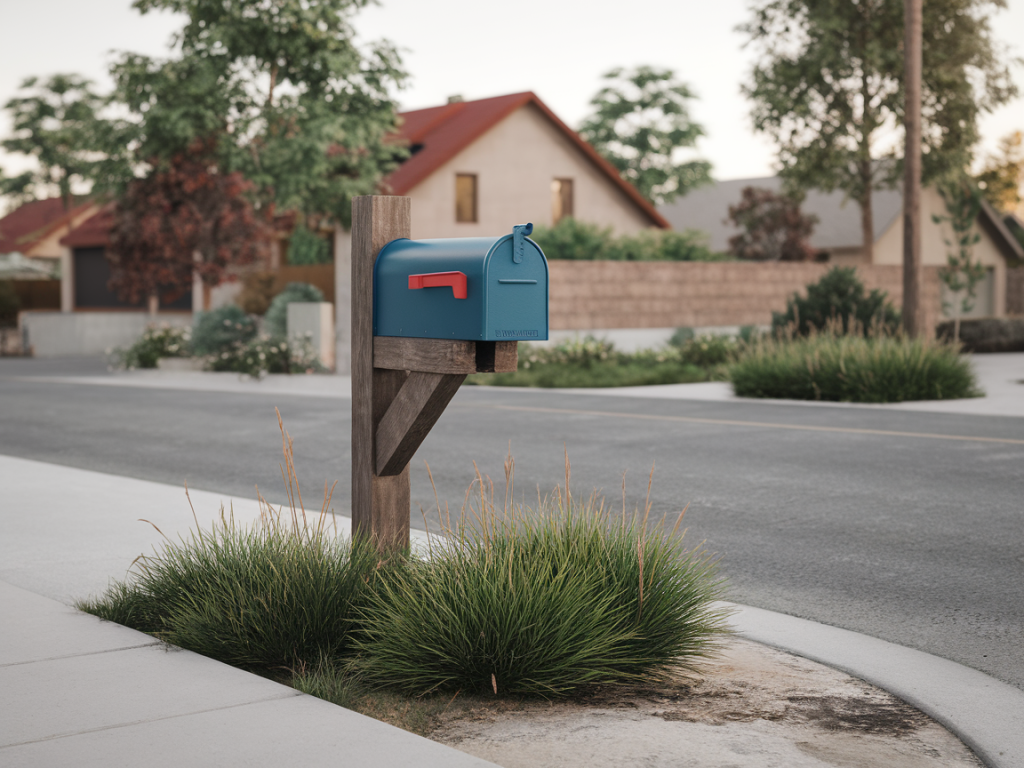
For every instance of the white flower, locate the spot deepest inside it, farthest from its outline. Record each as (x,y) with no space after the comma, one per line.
(227,323)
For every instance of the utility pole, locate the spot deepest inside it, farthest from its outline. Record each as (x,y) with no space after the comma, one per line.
(912,169)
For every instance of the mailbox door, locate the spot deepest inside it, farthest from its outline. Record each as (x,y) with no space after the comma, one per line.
(517,293)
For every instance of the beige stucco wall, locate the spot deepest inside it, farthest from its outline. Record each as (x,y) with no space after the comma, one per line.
(889,249)
(49,247)
(515,163)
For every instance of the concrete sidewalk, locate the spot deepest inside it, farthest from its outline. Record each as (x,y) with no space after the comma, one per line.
(80,691)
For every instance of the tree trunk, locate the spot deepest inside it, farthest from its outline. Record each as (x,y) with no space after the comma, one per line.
(912,169)
(867,221)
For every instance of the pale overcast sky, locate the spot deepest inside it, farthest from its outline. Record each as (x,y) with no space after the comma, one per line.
(478,48)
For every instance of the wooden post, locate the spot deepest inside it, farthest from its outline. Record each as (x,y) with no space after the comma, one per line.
(912,169)
(400,386)
(380,504)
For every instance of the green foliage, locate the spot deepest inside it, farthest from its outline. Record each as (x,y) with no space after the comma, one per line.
(581,241)
(962,273)
(828,87)
(541,602)
(276,319)
(307,247)
(9,304)
(707,350)
(264,354)
(58,122)
(590,362)
(1003,173)
(218,330)
(842,368)
(280,593)
(156,341)
(295,103)
(838,296)
(640,120)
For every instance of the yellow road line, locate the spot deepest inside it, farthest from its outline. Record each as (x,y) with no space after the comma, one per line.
(761,424)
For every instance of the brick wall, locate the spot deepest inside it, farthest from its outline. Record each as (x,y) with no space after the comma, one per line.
(624,294)
(1015,291)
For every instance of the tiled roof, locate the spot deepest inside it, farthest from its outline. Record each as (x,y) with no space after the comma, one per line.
(25,226)
(93,232)
(438,134)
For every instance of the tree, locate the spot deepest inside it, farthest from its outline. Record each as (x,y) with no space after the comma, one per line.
(183,219)
(293,103)
(962,273)
(57,122)
(828,88)
(1003,173)
(774,229)
(640,122)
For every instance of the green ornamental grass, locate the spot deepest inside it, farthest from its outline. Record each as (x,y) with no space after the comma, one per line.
(851,368)
(541,602)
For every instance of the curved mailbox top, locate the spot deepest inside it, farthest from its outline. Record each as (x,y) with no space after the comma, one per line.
(474,288)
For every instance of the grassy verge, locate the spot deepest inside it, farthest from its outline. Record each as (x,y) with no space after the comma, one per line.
(590,362)
(545,601)
(829,366)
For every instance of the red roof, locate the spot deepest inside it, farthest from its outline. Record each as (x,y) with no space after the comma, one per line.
(25,226)
(438,134)
(93,232)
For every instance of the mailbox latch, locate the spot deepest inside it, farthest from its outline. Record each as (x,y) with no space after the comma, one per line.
(457,281)
(519,231)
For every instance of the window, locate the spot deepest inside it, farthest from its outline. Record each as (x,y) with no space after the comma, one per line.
(561,199)
(465,198)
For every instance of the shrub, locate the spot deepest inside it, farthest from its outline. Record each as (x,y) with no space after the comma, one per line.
(839,295)
(986,334)
(831,366)
(156,341)
(706,350)
(591,362)
(307,247)
(276,319)
(576,240)
(217,330)
(281,593)
(541,602)
(263,354)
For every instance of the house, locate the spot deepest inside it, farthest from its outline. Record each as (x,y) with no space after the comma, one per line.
(34,230)
(838,237)
(477,167)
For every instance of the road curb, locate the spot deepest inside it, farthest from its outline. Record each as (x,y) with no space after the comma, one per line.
(984,713)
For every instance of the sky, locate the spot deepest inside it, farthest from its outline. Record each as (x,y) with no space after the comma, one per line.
(478,48)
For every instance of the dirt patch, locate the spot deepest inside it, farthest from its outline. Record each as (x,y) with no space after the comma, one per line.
(754,706)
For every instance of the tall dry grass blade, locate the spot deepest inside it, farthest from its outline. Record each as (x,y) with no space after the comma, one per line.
(194,516)
(675,528)
(647,501)
(144,520)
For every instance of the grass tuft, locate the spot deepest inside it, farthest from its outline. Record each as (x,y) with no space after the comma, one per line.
(540,602)
(281,593)
(851,368)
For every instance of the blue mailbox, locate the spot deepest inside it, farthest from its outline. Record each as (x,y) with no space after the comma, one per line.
(473,288)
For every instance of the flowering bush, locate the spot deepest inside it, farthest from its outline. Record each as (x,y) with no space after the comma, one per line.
(265,354)
(708,350)
(575,351)
(218,330)
(156,341)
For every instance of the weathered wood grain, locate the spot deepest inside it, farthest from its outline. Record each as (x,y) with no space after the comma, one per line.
(444,355)
(377,503)
(412,413)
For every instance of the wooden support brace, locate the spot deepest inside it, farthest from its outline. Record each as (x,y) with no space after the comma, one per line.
(417,407)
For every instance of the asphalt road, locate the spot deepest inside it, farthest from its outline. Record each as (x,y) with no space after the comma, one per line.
(903,525)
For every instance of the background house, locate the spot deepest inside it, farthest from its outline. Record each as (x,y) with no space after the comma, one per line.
(837,236)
